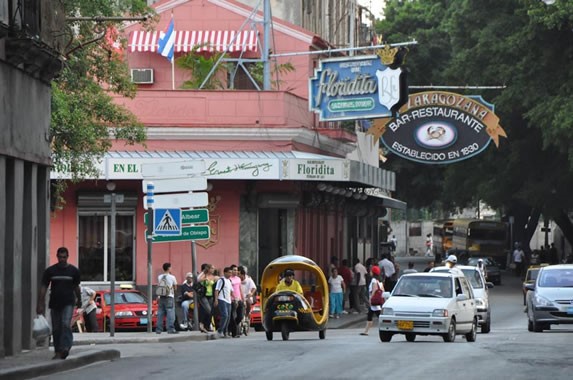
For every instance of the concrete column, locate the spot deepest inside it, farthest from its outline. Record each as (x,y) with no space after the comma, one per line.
(13,260)
(30,253)
(3,281)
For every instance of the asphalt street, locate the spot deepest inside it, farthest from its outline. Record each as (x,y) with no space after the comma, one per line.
(509,351)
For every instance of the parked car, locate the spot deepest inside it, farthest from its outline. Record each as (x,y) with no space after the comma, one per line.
(492,268)
(530,277)
(550,298)
(130,310)
(256,321)
(430,304)
(480,288)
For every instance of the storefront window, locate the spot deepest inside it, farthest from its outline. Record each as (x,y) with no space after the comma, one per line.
(95,246)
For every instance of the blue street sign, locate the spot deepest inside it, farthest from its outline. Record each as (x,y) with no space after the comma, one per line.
(167,221)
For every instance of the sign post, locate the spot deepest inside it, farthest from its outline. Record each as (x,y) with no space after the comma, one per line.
(150,190)
(175,181)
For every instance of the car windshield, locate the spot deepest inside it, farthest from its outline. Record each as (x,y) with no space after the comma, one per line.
(556,278)
(474,277)
(423,286)
(474,261)
(531,275)
(125,298)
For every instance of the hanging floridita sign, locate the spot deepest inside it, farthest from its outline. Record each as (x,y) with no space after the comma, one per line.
(360,87)
(436,127)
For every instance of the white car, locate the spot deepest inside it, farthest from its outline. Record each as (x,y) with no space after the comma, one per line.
(430,304)
(480,288)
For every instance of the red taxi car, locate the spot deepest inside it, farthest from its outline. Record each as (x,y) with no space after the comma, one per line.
(256,321)
(130,310)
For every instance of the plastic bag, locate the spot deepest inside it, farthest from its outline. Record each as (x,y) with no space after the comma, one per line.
(41,328)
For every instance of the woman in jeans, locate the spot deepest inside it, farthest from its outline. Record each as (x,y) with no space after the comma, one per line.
(208,279)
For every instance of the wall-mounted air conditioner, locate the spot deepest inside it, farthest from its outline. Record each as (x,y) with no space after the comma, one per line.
(142,76)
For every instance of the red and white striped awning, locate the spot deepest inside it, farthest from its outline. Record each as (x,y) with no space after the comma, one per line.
(201,40)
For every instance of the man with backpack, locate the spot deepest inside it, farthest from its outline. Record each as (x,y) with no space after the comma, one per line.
(222,300)
(166,300)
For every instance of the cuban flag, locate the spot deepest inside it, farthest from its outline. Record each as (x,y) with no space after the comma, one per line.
(167,42)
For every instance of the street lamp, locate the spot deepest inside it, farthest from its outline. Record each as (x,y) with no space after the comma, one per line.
(112,198)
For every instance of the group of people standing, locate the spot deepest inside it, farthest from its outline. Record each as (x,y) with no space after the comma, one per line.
(349,286)
(223,300)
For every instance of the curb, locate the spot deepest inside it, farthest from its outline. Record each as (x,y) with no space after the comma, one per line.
(72,362)
(114,340)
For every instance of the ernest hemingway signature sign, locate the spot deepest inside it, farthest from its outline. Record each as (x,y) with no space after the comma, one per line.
(360,87)
(436,127)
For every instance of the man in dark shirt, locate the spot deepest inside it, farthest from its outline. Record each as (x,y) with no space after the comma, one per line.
(63,279)
(346,274)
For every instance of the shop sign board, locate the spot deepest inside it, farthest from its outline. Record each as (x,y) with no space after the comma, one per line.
(436,127)
(316,169)
(359,87)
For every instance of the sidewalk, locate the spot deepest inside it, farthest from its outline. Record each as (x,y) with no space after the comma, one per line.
(94,347)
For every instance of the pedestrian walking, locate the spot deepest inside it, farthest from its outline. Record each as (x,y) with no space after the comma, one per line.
(89,309)
(166,300)
(375,284)
(63,280)
(518,257)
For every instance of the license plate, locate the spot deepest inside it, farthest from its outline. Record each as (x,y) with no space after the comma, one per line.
(570,310)
(143,321)
(405,325)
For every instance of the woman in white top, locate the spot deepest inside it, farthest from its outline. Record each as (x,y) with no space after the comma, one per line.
(336,295)
(375,284)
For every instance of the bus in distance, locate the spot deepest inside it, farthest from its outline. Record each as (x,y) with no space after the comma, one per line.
(481,238)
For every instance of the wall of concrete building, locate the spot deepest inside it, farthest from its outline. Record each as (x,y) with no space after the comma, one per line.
(24,203)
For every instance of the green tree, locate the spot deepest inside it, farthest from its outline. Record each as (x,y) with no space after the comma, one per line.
(84,117)
(526,46)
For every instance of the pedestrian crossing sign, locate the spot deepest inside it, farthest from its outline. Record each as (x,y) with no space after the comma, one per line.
(167,221)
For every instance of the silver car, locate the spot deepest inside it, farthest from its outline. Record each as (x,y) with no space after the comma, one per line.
(550,298)
(480,288)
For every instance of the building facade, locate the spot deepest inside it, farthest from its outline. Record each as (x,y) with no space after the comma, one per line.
(279,181)
(29,60)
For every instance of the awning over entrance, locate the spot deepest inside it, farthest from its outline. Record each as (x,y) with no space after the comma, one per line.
(199,40)
(282,166)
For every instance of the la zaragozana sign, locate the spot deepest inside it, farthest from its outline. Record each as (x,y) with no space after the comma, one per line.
(436,127)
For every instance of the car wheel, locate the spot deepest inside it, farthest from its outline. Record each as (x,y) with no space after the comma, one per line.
(486,327)
(258,328)
(537,327)
(450,336)
(529,325)
(322,334)
(410,337)
(269,335)
(284,331)
(385,336)
(471,336)
(524,303)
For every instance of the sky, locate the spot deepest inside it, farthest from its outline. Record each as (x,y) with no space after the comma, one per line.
(375,6)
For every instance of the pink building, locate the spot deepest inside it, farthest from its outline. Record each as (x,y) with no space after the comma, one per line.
(280,181)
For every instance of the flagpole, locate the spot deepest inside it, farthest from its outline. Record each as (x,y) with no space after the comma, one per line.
(173,60)
(173,73)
